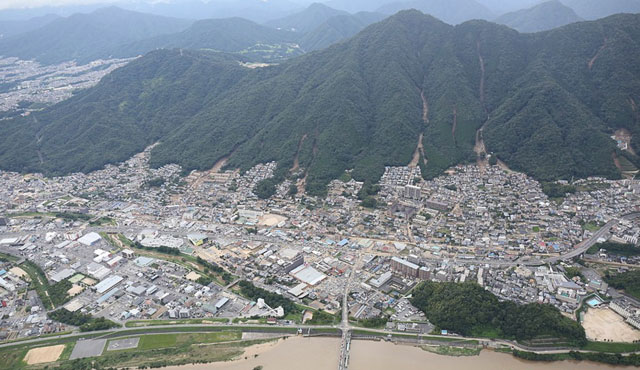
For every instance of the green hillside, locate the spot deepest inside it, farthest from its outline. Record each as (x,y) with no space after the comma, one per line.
(548,102)
(128,110)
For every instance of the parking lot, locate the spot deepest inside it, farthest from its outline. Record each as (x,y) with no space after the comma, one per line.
(120,344)
(88,348)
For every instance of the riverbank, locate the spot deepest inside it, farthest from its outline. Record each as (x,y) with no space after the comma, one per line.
(291,353)
(322,353)
(369,355)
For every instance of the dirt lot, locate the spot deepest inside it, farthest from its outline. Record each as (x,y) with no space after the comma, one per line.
(17,271)
(75,290)
(271,220)
(603,324)
(43,354)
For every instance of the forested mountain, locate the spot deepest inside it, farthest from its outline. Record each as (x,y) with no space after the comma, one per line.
(127,110)
(548,102)
(86,37)
(16,27)
(338,28)
(542,17)
(306,20)
(579,85)
(450,11)
(227,35)
(596,9)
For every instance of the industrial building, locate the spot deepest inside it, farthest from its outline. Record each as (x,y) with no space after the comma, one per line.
(308,275)
(108,283)
(90,239)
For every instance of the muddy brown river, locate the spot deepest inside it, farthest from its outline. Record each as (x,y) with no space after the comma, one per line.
(322,354)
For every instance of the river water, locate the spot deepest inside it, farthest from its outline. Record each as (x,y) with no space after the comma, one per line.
(322,354)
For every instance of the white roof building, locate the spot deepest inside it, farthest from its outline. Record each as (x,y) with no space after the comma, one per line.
(108,283)
(97,270)
(90,239)
(61,275)
(308,275)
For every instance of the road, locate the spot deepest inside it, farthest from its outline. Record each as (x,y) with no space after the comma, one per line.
(580,248)
(346,328)
(585,244)
(379,333)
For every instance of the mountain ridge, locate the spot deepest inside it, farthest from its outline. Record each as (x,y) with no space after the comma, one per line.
(451,12)
(306,20)
(89,36)
(547,101)
(542,17)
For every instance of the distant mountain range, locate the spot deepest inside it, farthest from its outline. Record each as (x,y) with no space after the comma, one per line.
(115,32)
(87,37)
(542,17)
(256,10)
(338,28)
(306,20)
(319,26)
(547,103)
(450,11)
(596,9)
(12,28)
(232,35)
(507,6)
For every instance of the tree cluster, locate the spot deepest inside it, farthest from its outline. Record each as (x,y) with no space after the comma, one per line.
(470,310)
(272,299)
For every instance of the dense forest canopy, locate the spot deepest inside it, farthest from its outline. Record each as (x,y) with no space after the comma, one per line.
(469,310)
(628,281)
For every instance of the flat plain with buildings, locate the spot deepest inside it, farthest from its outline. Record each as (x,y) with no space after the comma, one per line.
(107,234)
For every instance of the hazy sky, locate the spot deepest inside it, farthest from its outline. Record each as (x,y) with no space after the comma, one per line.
(7,4)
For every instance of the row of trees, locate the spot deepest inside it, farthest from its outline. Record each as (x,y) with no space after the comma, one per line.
(161,249)
(227,277)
